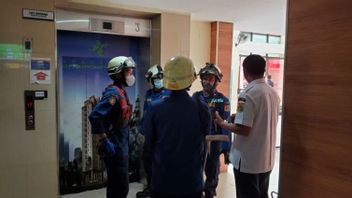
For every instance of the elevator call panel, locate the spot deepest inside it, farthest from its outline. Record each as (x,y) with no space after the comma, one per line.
(29,97)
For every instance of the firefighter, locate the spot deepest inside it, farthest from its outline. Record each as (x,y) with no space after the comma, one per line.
(210,76)
(156,94)
(109,120)
(174,135)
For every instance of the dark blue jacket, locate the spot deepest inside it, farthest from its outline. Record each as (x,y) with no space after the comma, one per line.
(151,99)
(174,141)
(111,116)
(217,102)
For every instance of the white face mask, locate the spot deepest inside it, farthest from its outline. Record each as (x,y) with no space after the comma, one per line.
(130,80)
(158,84)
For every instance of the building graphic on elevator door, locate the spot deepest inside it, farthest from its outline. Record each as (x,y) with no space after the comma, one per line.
(92,165)
(82,77)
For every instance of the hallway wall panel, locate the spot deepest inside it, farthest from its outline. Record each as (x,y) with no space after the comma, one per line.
(28,167)
(316,140)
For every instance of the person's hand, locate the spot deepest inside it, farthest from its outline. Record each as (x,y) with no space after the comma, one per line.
(217,118)
(226,157)
(231,118)
(107,148)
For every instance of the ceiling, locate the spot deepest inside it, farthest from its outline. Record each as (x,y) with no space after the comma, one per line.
(261,16)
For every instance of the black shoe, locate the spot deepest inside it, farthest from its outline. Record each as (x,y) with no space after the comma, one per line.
(144,194)
(208,194)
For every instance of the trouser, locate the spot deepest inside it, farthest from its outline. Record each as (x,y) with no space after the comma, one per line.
(147,164)
(162,195)
(117,171)
(251,185)
(212,169)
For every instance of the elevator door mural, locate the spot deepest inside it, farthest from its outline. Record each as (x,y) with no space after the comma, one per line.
(82,76)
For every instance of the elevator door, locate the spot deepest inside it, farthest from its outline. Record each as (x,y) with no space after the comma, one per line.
(82,76)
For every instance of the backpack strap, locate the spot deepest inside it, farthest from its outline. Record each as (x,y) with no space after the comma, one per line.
(126,107)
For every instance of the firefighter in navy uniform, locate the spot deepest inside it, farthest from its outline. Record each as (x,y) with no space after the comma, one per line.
(156,94)
(210,76)
(109,120)
(174,135)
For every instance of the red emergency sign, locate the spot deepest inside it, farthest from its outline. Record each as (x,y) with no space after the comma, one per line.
(41,75)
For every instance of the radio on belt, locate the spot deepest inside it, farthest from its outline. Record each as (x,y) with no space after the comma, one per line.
(29,97)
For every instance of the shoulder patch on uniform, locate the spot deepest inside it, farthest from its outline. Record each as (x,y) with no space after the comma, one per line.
(112,100)
(211,104)
(240,104)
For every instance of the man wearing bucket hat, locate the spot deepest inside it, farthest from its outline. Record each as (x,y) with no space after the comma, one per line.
(174,135)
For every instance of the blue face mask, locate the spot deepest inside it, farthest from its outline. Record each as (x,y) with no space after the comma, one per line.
(158,83)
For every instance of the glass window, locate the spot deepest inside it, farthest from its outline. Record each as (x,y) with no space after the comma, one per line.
(259,38)
(274,39)
(275,55)
(275,74)
(242,82)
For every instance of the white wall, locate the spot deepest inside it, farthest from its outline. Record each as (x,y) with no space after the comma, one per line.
(200,48)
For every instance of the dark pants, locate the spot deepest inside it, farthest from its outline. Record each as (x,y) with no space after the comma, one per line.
(193,195)
(251,185)
(212,169)
(147,167)
(117,170)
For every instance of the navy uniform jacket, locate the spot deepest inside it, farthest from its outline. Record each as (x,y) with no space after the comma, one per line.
(174,142)
(217,102)
(153,98)
(111,116)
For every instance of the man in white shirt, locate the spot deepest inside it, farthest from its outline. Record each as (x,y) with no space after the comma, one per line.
(253,149)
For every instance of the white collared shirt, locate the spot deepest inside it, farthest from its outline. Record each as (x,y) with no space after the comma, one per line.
(258,108)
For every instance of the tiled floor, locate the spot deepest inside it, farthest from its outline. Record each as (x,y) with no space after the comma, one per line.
(226,188)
